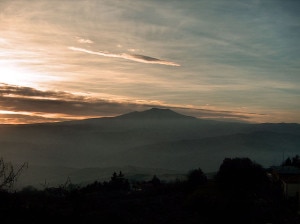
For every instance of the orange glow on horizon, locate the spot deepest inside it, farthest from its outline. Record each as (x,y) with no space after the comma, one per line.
(6,117)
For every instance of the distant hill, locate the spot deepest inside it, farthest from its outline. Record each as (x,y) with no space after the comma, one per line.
(208,153)
(154,114)
(53,176)
(156,138)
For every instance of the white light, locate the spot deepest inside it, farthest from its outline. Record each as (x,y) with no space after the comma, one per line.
(16,76)
(22,76)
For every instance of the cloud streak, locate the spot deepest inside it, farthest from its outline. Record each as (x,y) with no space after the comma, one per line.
(85,41)
(49,106)
(242,56)
(132,57)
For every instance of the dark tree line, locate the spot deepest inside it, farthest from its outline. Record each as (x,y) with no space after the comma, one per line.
(241,192)
(294,161)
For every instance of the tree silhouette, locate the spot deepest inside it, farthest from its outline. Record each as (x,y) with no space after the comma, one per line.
(287,162)
(245,192)
(155,181)
(118,182)
(196,177)
(295,161)
(241,175)
(9,175)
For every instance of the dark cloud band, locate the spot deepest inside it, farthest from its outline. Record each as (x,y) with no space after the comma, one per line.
(18,99)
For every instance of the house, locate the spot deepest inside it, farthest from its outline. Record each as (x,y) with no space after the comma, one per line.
(290,178)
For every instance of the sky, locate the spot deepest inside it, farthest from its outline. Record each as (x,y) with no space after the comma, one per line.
(76,59)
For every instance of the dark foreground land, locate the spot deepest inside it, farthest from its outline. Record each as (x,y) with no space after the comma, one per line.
(241,192)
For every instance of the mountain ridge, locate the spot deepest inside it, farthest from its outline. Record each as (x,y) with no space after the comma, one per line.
(158,114)
(154,113)
(160,138)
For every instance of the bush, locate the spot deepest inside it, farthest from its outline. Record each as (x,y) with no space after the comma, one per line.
(241,175)
(8,174)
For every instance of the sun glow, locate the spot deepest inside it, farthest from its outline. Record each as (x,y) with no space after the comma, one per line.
(16,76)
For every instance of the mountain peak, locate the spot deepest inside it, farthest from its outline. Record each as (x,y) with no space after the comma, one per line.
(155,113)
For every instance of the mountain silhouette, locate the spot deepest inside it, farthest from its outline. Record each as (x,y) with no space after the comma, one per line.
(155,113)
(155,138)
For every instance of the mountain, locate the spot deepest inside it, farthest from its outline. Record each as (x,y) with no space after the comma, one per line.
(266,148)
(156,138)
(154,114)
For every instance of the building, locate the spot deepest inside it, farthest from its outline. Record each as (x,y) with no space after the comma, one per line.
(290,178)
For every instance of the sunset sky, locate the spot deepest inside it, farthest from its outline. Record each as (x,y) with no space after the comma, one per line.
(76,59)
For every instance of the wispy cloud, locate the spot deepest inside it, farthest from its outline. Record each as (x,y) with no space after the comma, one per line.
(132,57)
(249,59)
(84,41)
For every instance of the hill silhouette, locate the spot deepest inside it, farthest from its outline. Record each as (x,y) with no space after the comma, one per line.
(155,113)
(155,138)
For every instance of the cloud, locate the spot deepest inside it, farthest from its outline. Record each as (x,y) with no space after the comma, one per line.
(132,50)
(13,90)
(32,105)
(18,118)
(132,57)
(225,115)
(28,101)
(84,41)
(3,41)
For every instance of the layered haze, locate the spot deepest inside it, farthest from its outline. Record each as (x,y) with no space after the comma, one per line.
(155,141)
